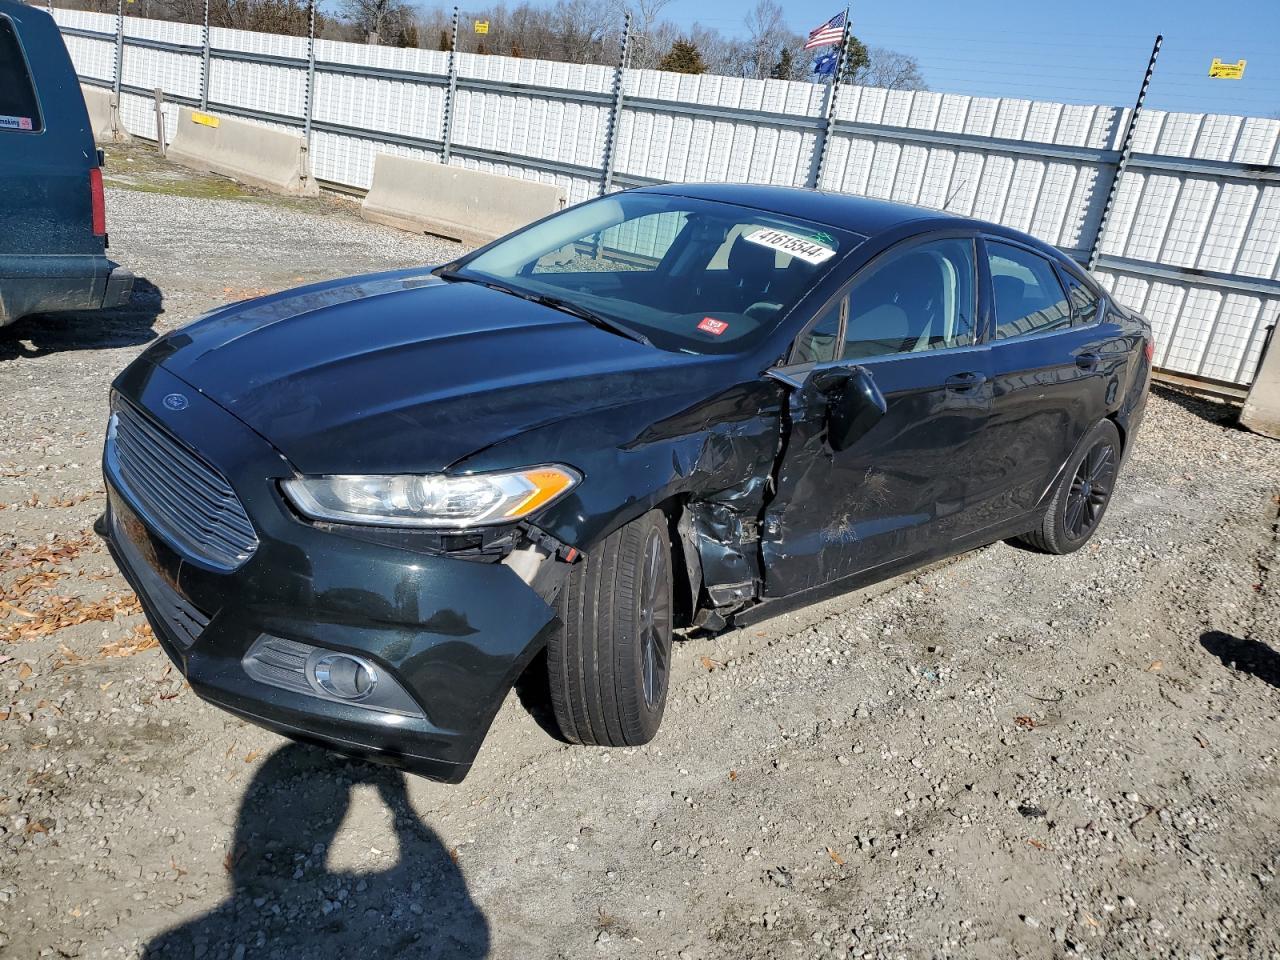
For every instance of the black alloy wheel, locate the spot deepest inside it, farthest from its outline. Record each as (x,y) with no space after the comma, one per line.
(1090,490)
(1082,494)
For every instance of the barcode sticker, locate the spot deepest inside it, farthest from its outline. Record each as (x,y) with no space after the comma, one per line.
(788,243)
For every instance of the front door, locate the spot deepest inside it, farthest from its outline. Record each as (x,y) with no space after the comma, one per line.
(911,484)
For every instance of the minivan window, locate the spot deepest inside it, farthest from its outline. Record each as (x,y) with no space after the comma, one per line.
(1028,296)
(18,107)
(918,298)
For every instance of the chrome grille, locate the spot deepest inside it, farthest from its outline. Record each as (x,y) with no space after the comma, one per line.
(184,621)
(184,500)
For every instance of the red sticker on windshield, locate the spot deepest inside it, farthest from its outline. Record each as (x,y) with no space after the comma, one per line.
(713,326)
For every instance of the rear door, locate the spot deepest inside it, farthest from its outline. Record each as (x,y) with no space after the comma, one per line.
(909,485)
(1057,363)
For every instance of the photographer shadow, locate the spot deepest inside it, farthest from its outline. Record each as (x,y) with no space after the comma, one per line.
(286,902)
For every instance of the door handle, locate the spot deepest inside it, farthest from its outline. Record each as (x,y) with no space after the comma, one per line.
(1087,361)
(964,382)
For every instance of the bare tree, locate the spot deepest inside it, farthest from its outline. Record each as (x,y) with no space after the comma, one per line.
(378,20)
(646,49)
(766,32)
(890,69)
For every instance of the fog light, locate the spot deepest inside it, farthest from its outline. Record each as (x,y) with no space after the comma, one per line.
(344,676)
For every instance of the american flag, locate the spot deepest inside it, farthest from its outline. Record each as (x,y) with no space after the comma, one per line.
(831,32)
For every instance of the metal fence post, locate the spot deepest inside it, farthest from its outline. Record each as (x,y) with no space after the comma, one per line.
(615,110)
(311,74)
(829,107)
(119,48)
(1126,148)
(204,61)
(446,134)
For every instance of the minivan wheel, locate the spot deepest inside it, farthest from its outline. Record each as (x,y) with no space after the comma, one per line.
(1083,493)
(610,661)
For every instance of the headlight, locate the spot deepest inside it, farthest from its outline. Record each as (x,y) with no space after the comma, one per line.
(431,501)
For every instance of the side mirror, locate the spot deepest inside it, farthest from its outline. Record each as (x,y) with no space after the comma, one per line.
(854,404)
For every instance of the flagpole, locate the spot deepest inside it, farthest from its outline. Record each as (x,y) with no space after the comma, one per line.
(829,109)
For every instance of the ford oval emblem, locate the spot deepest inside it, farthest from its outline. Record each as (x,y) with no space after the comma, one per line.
(175,401)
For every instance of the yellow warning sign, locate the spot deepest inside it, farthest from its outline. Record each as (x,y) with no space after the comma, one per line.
(482,26)
(204,119)
(1227,71)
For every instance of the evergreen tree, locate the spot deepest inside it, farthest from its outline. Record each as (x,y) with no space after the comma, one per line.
(683,57)
(785,68)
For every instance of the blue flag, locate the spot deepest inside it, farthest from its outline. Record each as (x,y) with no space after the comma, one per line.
(825,65)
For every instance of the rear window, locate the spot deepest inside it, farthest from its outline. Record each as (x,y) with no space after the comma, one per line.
(18,107)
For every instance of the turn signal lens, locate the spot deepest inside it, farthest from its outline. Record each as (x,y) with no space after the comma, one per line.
(433,500)
(1150,349)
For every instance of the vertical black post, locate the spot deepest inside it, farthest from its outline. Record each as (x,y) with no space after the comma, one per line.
(119,47)
(451,94)
(1126,148)
(311,74)
(829,107)
(615,111)
(204,62)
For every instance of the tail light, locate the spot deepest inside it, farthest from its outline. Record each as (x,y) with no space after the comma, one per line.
(1150,349)
(98,201)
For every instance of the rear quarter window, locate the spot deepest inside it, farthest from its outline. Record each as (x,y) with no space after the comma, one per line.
(19,109)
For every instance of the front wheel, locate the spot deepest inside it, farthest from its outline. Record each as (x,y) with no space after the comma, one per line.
(610,660)
(1083,493)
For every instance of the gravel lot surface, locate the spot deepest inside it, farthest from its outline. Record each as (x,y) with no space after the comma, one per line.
(1007,755)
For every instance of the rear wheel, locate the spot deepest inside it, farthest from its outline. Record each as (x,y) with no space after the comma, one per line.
(1083,493)
(610,661)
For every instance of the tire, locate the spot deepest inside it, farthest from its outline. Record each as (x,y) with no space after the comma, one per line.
(609,664)
(1083,493)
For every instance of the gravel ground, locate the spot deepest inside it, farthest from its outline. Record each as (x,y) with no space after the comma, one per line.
(1006,755)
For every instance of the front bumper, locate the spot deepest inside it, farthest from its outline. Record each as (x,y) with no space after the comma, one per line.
(454,633)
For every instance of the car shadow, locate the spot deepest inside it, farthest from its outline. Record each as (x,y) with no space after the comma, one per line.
(123,326)
(285,900)
(1247,656)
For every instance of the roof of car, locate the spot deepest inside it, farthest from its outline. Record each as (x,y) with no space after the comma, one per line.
(859,214)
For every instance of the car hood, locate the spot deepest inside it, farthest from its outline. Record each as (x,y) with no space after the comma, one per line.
(403,372)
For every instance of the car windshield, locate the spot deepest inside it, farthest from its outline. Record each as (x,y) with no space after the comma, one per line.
(684,274)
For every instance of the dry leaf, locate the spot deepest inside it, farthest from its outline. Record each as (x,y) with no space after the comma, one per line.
(733,774)
(1092,922)
(105,686)
(1155,665)
(1038,845)
(711,664)
(839,860)
(252,755)
(1026,723)
(453,854)
(24,671)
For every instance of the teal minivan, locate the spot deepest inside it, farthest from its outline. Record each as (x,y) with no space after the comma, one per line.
(53,229)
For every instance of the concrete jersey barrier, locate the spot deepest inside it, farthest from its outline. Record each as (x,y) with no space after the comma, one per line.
(104,115)
(1261,412)
(467,205)
(252,153)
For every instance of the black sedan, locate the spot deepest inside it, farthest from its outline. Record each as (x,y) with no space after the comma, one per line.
(358,511)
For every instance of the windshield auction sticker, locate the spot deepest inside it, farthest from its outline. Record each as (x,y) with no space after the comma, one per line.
(15,123)
(791,244)
(713,326)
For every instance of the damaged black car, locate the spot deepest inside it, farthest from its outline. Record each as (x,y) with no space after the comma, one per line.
(357,512)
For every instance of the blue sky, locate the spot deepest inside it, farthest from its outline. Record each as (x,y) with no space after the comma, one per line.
(1084,51)
(1081,51)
